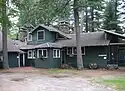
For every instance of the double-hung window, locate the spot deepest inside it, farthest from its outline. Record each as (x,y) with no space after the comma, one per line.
(29,54)
(42,53)
(40,35)
(73,51)
(56,53)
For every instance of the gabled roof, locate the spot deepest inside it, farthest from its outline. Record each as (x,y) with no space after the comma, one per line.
(52,29)
(25,47)
(48,45)
(44,45)
(113,33)
(87,39)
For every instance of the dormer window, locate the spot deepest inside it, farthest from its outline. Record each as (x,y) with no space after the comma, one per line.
(29,37)
(40,35)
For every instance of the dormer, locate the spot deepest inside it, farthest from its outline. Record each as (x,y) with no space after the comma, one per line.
(42,34)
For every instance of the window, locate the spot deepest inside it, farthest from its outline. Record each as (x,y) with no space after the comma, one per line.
(56,53)
(73,50)
(40,35)
(69,50)
(29,53)
(29,37)
(42,53)
(34,54)
(83,50)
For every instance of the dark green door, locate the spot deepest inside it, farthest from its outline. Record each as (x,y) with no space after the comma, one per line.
(21,60)
(121,61)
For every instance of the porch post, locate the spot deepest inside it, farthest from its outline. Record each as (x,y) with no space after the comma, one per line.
(19,59)
(118,54)
(23,59)
(109,53)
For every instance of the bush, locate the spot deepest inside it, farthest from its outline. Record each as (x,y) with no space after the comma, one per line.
(93,66)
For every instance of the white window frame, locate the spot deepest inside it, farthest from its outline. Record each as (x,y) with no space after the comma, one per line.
(42,53)
(56,53)
(73,51)
(29,57)
(33,54)
(28,37)
(43,35)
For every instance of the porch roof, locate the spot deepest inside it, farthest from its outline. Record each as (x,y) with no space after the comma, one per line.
(26,47)
(87,39)
(48,45)
(113,33)
(44,45)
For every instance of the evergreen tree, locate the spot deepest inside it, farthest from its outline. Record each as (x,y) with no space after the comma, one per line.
(111,16)
(41,11)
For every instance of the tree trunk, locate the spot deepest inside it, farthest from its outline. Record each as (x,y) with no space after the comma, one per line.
(77,29)
(92,18)
(86,20)
(116,6)
(4,35)
(82,21)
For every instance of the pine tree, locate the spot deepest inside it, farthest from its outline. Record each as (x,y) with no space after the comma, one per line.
(111,16)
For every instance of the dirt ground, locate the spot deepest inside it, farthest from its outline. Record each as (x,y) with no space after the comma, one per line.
(31,79)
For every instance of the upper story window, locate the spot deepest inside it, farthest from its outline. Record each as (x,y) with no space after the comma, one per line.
(29,37)
(73,50)
(42,53)
(56,53)
(40,35)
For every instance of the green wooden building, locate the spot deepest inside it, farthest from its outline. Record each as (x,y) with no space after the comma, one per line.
(48,47)
(14,53)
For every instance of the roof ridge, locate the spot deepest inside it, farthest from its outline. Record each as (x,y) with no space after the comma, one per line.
(88,32)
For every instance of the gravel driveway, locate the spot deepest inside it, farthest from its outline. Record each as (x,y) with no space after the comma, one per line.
(35,82)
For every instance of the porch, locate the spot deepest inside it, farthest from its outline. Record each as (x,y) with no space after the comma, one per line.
(116,54)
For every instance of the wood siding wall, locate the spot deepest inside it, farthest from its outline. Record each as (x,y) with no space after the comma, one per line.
(49,36)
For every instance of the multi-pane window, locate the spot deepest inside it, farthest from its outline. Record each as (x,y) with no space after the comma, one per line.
(56,53)
(42,53)
(73,50)
(29,53)
(40,35)
(69,50)
(29,37)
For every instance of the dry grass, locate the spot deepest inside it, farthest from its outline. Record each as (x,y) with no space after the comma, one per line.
(113,78)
